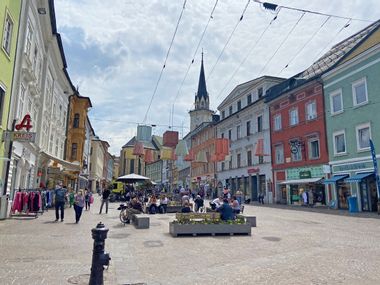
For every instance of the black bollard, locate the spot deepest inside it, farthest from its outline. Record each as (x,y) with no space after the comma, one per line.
(99,257)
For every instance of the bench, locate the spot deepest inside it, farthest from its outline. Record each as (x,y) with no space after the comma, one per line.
(187,224)
(248,219)
(173,208)
(140,221)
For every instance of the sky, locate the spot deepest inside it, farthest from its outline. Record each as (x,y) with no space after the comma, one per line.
(116,49)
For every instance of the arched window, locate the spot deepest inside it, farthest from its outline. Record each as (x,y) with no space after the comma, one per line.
(76,121)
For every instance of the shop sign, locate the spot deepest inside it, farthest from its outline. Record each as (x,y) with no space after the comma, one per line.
(295,173)
(23,136)
(305,174)
(253,170)
(326,169)
(352,166)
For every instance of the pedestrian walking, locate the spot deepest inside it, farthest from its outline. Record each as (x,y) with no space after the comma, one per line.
(71,197)
(60,195)
(78,205)
(87,199)
(105,199)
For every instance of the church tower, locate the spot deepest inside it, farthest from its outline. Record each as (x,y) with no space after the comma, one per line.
(201,112)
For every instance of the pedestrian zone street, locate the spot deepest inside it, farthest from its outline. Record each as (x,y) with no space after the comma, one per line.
(286,247)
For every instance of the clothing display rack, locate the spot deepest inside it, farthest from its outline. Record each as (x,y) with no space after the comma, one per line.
(28,203)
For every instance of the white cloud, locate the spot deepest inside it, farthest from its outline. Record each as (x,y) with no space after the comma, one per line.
(132,38)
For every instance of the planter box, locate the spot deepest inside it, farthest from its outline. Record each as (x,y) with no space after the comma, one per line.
(176,229)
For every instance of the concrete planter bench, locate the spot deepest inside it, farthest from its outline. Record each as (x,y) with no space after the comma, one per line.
(140,221)
(173,209)
(176,229)
(249,219)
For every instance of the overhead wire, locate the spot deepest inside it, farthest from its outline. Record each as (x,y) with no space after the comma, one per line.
(305,44)
(283,41)
(166,58)
(192,60)
(228,40)
(253,46)
(272,6)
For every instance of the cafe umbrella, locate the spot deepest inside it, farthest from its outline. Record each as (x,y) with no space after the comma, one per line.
(132,178)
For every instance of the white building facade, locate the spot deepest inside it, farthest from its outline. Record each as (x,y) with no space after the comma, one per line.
(41,88)
(245,122)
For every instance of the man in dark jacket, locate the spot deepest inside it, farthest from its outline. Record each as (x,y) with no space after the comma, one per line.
(226,212)
(105,200)
(60,195)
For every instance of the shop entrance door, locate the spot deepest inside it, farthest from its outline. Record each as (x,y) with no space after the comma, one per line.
(364,195)
(254,188)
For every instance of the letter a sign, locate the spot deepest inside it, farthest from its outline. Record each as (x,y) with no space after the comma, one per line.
(25,123)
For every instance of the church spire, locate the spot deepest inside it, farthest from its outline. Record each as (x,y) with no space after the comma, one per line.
(202,90)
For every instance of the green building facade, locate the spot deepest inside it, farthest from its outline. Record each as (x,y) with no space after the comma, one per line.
(9,17)
(352,109)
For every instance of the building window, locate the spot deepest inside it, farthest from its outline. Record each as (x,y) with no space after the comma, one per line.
(29,37)
(51,144)
(249,99)
(76,121)
(279,153)
(230,163)
(359,92)
(260,92)
(339,139)
(7,34)
(293,117)
(20,111)
(223,166)
(2,95)
(239,105)
(311,111)
(249,158)
(223,114)
(261,159)
(248,128)
(238,160)
(238,132)
(230,110)
(56,147)
(74,151)
(230,134)
(296,152)
(277,122)
(363,135)
(313,148)
(132,166)
(336,102)
(222,135)
(259,124)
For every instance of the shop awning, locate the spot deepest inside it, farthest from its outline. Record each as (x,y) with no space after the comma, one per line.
(66,165)
(335,179)
(302,181)
(358,177)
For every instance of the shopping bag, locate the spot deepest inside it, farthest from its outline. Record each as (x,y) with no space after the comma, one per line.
(91,199)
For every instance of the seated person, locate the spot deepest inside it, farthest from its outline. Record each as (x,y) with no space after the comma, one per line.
(152,205)
(235,205)
(186,208)
(216,203)
(198,203)
(185,198)
(136,205)
(226,212)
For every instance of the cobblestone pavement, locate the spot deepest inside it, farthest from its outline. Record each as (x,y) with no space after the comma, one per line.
(287,247)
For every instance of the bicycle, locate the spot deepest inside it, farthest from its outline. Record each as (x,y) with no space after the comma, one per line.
(124,215)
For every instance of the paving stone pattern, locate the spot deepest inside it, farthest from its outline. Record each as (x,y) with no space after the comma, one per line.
(287,247)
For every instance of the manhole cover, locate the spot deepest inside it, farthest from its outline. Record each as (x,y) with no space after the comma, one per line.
(272,238)
(80,279)
(153,243)
(155,224)
(119,236)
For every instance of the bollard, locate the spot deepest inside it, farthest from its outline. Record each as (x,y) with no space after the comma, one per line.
(99,257)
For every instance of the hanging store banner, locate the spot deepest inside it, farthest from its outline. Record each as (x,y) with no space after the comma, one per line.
(373,153)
